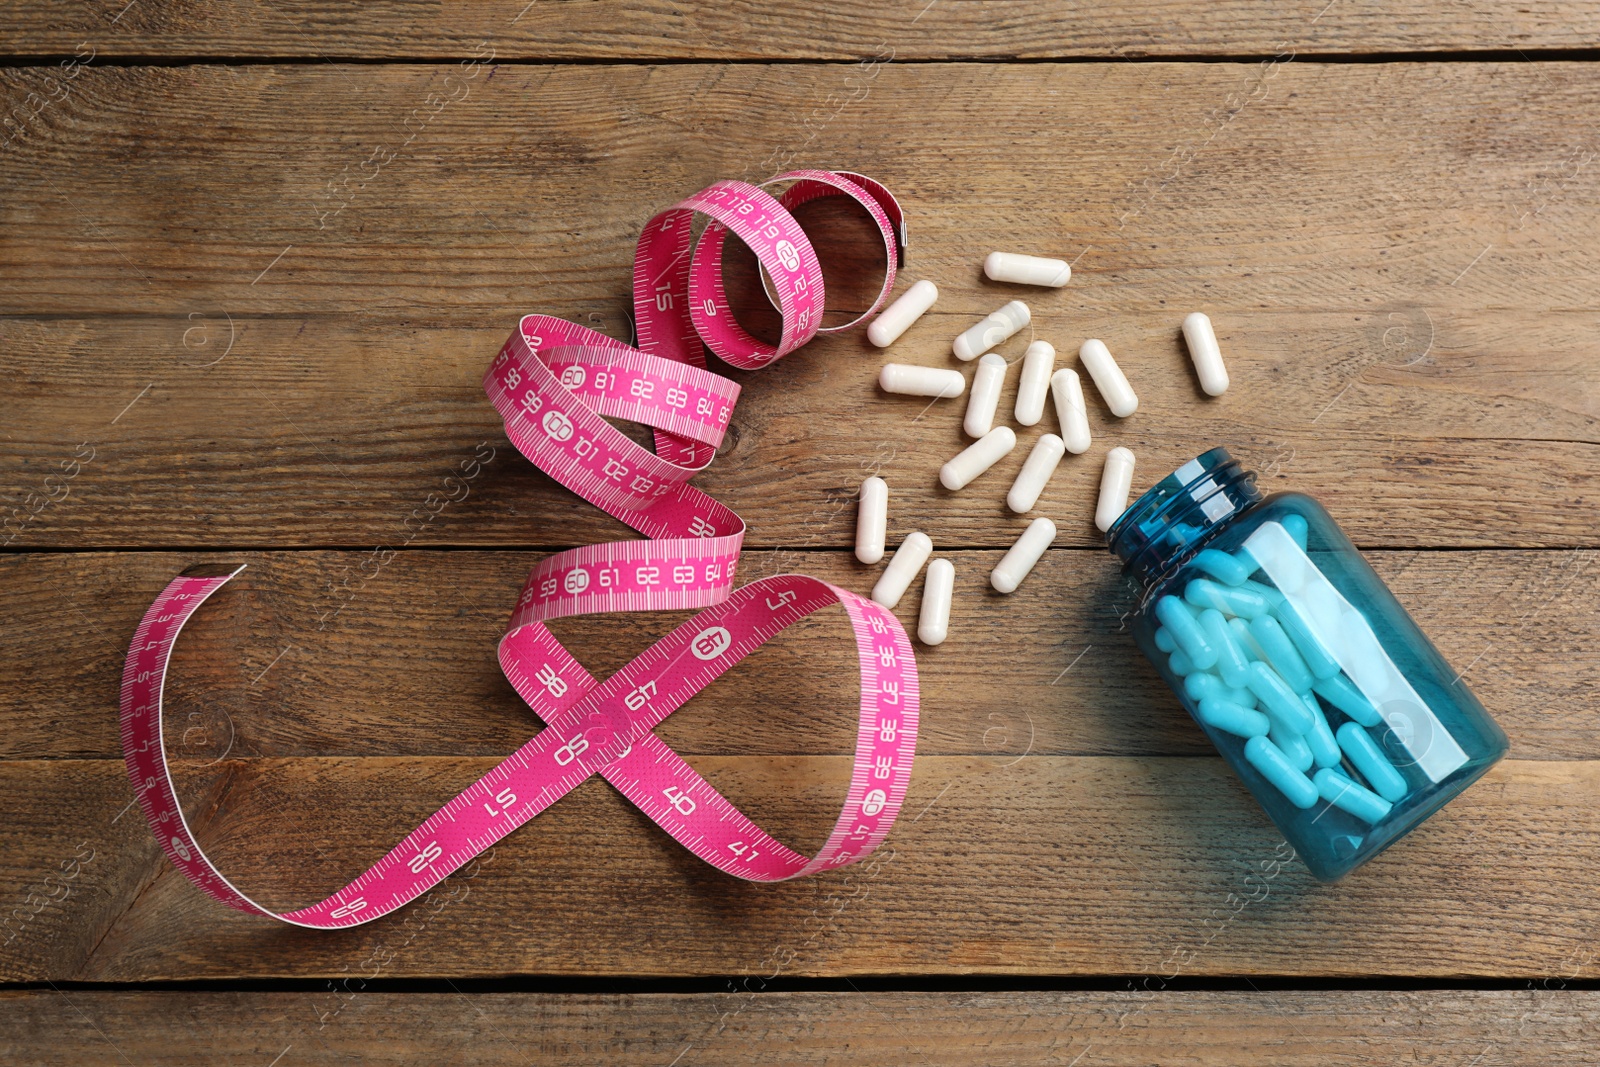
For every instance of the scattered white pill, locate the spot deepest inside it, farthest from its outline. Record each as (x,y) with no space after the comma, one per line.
(1115,481)
(1027,270)
(938,588)
(898,316)
(978,457)
(1015,564)
(1068,392)
(1108,378)
(1037,363)
(992,330)
(1040,465)
(872,520)
(908,380)
(985,396)
(903,566)
(1202,341)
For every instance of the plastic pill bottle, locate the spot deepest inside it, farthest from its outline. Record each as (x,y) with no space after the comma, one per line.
(1319,689)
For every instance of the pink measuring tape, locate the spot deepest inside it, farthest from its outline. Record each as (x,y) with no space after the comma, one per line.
(554,382)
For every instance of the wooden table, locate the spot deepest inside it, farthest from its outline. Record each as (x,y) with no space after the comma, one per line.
(256,257)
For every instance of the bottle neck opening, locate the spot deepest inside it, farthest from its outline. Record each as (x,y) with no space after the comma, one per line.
(1170,521)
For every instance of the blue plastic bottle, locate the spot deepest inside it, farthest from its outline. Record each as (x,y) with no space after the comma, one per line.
(1293,656)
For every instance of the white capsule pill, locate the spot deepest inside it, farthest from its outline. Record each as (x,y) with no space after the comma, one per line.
(903,566)
(1202,342)
(1070,409)
(1108,378)
(1035,473)
(1115,481)
(1037,363)
(933,625)
(985,396)
(977,457)
(1027,270)
(992,330)
(898,316)
(908,380)
(872,518)
(1015,564)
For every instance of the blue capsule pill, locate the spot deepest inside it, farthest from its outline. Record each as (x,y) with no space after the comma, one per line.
(1232,663)
(1282,704)
(1180,664)
(1318,660)
(1346,795)
(1342,694)
(1369,759)
(1247,644)
(1179,618)
(1281,653)
(1223,567)
(1269,593)
(1230,600)
(1324,748)
(1243,557)
(1204,685)
(1294,746)
(1233,718)
(1181,534)
(1296,525)
(1275,767)
(1164,640)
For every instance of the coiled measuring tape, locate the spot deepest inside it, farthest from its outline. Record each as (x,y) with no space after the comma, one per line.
(555,383)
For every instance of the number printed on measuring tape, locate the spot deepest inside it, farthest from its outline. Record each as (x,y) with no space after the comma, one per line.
(557,385)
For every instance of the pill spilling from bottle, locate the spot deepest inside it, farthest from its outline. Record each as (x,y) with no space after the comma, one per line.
(1291,679)
(1108,378)
(938,589)
(872,520)
(985,397)
(1027,270)
(1038,363)
(1023,556)
(898,316)
(977,458)
(1116,480)
(907,380)
(1040,384)
(903,566)
(1207,356)
(995,329)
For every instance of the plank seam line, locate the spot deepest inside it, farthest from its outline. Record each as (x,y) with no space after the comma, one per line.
(130,550)
(1440,56)
(568,986)
(22,762)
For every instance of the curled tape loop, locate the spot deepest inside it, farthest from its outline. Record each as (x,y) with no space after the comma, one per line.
(555,384)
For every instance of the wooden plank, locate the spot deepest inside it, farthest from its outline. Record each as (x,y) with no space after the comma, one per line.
(402,663)
(351,387)
(1052,865)
(1288,1028)
(1183,182)
(1495,447)
(827,30)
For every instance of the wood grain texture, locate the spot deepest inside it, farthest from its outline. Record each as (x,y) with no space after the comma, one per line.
(915,29)
(340,434)
(1541,1024)
(291,661)
(251,303)
(1392,253)
(1041,865)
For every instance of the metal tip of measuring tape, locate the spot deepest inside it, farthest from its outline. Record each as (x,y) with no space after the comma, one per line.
(212,570)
